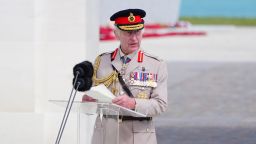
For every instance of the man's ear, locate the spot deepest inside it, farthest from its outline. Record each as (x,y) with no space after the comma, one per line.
(116,34)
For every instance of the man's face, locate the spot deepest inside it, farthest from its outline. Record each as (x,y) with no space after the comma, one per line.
(130,40)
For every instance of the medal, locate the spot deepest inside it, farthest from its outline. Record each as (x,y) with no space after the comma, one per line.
(123,69)
(142,95)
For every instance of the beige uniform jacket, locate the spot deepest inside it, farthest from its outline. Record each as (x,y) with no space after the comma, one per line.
(147,80)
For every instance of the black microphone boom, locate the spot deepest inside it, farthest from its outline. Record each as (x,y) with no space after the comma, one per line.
(82,81)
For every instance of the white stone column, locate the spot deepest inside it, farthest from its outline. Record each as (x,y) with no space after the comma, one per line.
(66,33)
(18,121)
(16,56)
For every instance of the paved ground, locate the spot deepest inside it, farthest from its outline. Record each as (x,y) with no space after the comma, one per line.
(210,103)
(206,135)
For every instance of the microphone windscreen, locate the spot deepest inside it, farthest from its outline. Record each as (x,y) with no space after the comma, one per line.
(84,84)
(85,69)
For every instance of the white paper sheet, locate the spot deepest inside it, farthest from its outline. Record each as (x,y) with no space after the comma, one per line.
(101,93)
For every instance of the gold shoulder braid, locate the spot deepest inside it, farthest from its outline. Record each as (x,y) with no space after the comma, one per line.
(107,81)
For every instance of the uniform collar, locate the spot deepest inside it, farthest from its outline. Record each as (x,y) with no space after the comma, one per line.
(129,55)
(136,59)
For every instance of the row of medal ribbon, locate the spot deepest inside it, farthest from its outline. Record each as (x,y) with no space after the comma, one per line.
(143,76)
(143,79)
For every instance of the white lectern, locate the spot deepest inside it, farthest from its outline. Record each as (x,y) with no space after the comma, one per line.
(103,111)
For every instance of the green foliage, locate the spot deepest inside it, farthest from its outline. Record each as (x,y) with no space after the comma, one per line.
(220,21)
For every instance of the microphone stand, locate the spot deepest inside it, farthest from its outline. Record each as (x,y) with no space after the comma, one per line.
(67,111)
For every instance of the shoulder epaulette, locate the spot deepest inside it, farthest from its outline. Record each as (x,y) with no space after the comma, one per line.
(112,53)
(151,56)
(105,53)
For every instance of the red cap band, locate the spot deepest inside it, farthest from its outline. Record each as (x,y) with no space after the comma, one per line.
(125,20)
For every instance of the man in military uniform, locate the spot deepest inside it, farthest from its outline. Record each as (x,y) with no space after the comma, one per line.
(138,79)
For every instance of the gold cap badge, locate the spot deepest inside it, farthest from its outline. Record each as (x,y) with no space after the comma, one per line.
(131,18)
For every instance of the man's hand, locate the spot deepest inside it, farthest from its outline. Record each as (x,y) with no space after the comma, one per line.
(87,98)
(125,101)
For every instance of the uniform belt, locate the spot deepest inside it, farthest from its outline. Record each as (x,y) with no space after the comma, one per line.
(128,118)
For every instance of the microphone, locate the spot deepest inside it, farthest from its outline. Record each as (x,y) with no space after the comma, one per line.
(82,84)
(84,69)
(83,73)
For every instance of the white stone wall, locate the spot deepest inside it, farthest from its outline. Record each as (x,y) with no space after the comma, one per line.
(16,55)
(40,42)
